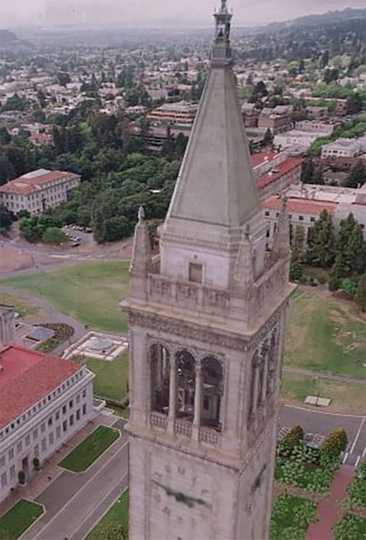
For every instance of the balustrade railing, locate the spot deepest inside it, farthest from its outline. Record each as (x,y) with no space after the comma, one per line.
(209,436)
(182,427)
(159,420)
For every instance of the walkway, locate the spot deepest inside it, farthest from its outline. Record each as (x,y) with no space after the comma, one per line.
(324,375)
(330,510)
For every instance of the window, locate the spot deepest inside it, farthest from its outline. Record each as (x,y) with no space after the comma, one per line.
(312,219)
(84,409)
(64,426)
(4,479)
(64,409)
(58,432)
(19,446)
(35,434)
(44,445)
(71,404)
(72,420)
(267,213)
(58,415)
(11,453)
(84,393)
(78,415)
(27,440)
(195,273)
(12,472)
(51,439)
(301,218)
(43,427)
(2,461)
(50,421)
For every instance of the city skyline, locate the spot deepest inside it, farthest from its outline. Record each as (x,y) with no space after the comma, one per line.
(158,13)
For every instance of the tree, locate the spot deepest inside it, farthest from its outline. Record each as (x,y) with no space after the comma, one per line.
(53,235)
(360,296)
(355,251)
(63,78)
(307,173)
(6,219)
(357,176)
(335,443)
(321,242)
(268,137)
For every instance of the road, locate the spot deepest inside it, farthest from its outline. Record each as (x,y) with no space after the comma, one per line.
(316,421)
(76,502)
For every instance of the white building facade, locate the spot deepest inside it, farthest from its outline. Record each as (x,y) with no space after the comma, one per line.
(37,191)
(33,434)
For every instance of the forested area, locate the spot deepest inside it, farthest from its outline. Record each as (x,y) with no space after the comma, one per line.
(117,174)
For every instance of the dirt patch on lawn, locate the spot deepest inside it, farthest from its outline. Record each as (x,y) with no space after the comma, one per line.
(13,259)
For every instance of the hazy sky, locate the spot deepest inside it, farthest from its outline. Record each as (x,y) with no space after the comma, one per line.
(158,12)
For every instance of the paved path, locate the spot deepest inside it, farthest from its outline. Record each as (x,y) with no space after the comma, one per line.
(324,375)
(316,421)
(330,511)
(76,502)
(49,315)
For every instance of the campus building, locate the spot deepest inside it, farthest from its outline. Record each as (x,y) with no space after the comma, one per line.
(38,190)
(306,203)
(44,401)
(181,114)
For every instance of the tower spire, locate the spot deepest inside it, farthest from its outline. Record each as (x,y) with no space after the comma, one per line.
(221,50)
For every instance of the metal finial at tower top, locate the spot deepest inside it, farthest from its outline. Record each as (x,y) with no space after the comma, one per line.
(221,50)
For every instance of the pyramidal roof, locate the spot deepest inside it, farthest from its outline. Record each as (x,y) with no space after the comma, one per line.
(216,183)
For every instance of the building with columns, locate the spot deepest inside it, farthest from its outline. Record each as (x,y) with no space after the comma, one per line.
(206,328)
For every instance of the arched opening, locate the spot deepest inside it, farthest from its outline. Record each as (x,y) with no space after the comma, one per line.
(212,376)
(186,385)
(160,378)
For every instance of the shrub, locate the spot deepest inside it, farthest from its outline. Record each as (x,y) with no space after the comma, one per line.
(335,443)
(290,441)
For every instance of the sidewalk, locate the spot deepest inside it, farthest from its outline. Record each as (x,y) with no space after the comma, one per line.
(50,470)
(330,511)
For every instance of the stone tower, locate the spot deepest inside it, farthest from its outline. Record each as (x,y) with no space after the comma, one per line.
(207,321)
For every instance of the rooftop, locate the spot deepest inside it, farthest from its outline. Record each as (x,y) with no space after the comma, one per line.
(300,206)
(26,377)
(33,181)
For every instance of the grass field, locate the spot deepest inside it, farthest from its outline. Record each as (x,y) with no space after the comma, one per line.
(346,397)
(111,378)
(90,449)
(19,519)
(25,309)
(325,334)
(115,520)
(89,292)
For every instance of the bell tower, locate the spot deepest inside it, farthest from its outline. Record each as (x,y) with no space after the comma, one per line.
(207,322)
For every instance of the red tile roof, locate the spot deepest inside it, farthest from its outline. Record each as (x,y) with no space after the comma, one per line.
(28,184)
(300,206)
(26,377)
(259,158)
(281,170)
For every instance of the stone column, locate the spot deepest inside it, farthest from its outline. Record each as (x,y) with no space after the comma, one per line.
(172,393)
(197,402)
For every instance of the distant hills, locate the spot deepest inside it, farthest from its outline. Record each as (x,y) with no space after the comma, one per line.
(9,39)
(324,19)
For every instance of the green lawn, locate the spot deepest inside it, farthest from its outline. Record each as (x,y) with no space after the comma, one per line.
(291,517)
(18,519)
(351,527)
(89,292)
(115,521)
(90,449)
(348,398)
(325,334)
(111,377)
